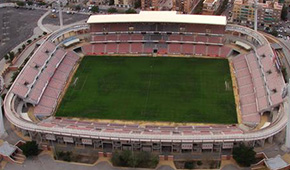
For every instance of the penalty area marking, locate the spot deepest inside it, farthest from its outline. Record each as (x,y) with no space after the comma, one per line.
(75,81)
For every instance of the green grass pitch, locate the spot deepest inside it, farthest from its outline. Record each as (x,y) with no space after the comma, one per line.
(151,89)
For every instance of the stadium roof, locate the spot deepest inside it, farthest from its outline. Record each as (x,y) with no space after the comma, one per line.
(158,16)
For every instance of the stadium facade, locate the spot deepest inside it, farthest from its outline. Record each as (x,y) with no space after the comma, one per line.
(258,82)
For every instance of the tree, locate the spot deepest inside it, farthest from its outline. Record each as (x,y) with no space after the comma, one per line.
(284,13)
(111,2)
(23,46)
(146,160)
(137,4)
(77,7)
(41,3)
(199,163)
(29,3)
(121,158)
(6,57)
(44,33)
(189,165)
(244,155)
(66,156)
(130,11)
(112,10)
(132,159)
(11,55)
(30,149)
(95,9)
(20,3)
(14,75)
(274,32)
(19,50)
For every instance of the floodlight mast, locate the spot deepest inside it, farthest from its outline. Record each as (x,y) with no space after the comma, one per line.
(287,110)
(286,97)
(3,132)
(60,14)
(256,15)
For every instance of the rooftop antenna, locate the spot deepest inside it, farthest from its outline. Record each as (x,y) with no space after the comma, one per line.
(60,14)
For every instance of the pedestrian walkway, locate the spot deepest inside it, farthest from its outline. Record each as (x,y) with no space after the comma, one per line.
(46,162)
(40,25)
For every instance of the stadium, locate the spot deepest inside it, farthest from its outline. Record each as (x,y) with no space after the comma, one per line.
(237,73)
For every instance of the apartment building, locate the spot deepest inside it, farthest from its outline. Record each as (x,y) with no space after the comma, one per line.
(182,6)
(210,6)
(269,13)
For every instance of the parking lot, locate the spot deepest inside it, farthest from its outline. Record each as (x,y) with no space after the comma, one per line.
(16,25)
(67,18)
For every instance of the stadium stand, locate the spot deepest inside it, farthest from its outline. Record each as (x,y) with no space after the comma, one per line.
(175,37)
(187,49)
(112,37)
(87,49)
(174,48)
(98,48)
(136,47)
(212,50)
(202,39)
(200,49)
(111,48)
(215,40)
(254,70)
(188,38)
(124,37)
(124,48)
(148,129)
(55,86)
(224,51)
(98,38)
(247,97)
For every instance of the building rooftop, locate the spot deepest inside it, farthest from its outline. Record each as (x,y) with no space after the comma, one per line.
(276,163)
(209,2)
(7,149)
(267,4)
(158,16)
